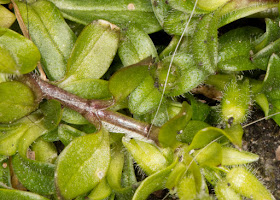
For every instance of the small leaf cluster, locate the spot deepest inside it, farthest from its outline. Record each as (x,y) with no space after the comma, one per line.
(103,51)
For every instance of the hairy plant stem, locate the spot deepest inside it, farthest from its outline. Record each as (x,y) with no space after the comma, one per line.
(96,112)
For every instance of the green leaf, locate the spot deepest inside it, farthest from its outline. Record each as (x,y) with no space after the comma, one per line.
(205,43)
(9,140)
(236,64)
(193,167)
(10,134)
(18,55)
(210,155)
(212,175)
(235,49)
(200,110)
(262,101)
(51,136)
(44,151)
(205,136)
(161,9)
(183,76)
(176,175)
(125,80)
(262,58)
(7,18)
(16,101)
(153,183)
(101,191)
(271,81)
(219,80)
(67,133)
(188,181)
(190,131)
(114,173)
(35,130)
(169,131)
(50,33)
(246,184)
(175,22)
(128,175)
(210,5)
(234,134)
(119,12)
(121,176)
(236,101)
(208,134)
(272,33)
(73,117)
(147,156)
(145,98)
(83,164)
(93,52)
(188,6)
(135,45)
(232,156)
(170,48)
(223,191)
(235,10)
(52,114)
(18,194)
(5,1)
(35,176)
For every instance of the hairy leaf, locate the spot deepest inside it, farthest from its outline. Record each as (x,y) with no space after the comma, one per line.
(147,156)
(245,183)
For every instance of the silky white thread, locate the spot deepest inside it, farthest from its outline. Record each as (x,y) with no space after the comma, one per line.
(169,67)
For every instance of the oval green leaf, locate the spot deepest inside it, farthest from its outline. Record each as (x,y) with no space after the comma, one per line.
(232,156)
(147,156)
(67,133)
(18,55)
(153,183)
(50,33)
(124,81)
(36,176)
(7,18)
(171,129)
(93,52)
(246,184)
(145,98)
(16,101)
(82,164)
(135,45)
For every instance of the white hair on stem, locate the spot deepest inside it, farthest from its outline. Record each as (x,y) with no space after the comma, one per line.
(258,120)
(170,64)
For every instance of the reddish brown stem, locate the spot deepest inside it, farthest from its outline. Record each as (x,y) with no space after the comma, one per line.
(95,111)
